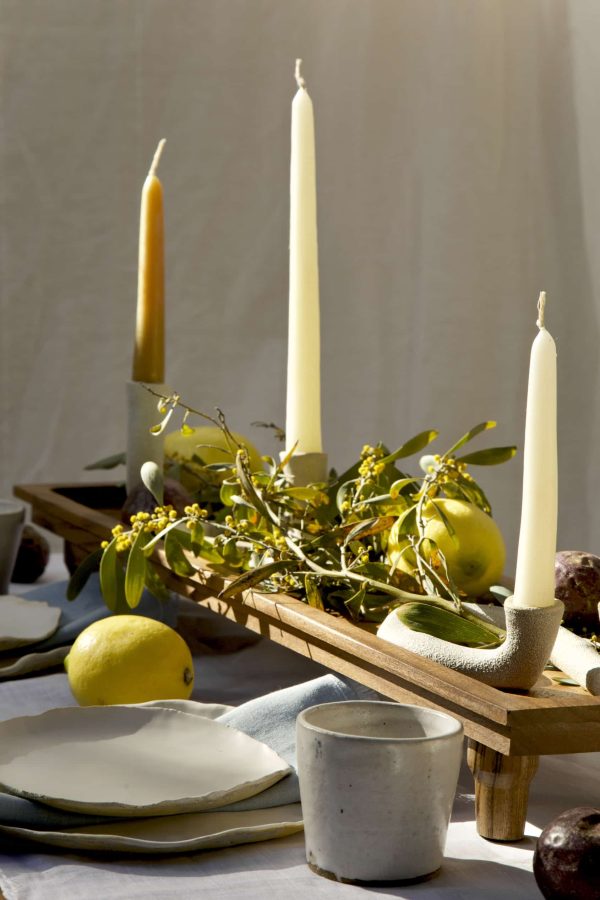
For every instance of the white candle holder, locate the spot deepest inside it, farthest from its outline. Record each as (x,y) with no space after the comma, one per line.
(142,446)
(306,468)
(578,658)
(517,663)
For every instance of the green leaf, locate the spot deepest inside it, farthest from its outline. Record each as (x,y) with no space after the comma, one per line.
(86,567)
(483,426)
(109,462)
(439,511)
(229,489)
(255,576)
(196,538)
(354,603)
(153,479)
(369,527)
(174,551)
(112,578)
(135,574)
(407,523)
(155,585)
(313,594)
(493,456)
(446,625)
(398,486)
(252,494)
(415,444)
(161,534)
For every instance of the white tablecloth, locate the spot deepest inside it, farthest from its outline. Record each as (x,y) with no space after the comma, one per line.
(474,869)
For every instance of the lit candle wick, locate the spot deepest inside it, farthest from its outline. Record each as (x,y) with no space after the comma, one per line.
(157,157)
(541,307)
(299,79)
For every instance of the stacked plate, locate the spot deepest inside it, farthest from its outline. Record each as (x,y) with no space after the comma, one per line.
(137,778)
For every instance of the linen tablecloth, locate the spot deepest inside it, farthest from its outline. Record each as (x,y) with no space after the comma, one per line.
(473,869)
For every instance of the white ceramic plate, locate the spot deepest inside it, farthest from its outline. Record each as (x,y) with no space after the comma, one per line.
(32,662)
(132,761)
(25,622)
(173,834)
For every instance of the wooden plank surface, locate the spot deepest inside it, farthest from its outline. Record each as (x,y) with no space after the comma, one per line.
(547,719)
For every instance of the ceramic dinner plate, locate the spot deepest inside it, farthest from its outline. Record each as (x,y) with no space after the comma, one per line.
(173,834)
(25,622)
(32,662)
(132,761)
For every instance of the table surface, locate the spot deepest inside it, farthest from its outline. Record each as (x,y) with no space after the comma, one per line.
(474,869)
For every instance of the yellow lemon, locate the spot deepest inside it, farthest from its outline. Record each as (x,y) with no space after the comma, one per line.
(129,659)
(474,554)
(181,447)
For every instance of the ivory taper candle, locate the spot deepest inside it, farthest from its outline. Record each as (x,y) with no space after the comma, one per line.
(534,580)
(149,350)
(303,407)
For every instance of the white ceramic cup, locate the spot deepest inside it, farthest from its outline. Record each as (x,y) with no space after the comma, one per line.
(377,781)
(12,517)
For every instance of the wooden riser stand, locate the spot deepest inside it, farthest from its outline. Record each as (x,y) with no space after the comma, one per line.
(507,730)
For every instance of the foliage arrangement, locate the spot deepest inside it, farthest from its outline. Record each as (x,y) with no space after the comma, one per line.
(325,543)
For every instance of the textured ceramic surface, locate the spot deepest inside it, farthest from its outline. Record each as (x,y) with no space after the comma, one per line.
(132,761)
(169,834)
(12,667)
(377,781)
(517,663)
(25,622)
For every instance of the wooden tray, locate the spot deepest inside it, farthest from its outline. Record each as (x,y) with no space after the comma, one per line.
(507,730)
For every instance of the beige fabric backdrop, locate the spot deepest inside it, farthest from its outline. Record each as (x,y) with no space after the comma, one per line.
(458,155)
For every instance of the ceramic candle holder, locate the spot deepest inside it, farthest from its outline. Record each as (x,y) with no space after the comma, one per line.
(517,663)
(142,446)
(306,468)
(377,781)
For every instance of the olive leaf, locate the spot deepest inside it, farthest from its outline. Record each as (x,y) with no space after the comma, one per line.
(86,567)
(112,577)
(446,625)
(414,445)
(153,479)
(256,576)
(109,462)
(135,573)
(490,457)
(175,542)
(473,432)
(313,594)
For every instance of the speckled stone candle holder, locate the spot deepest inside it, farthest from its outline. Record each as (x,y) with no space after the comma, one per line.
(306,468)
(517,663)
(142,446)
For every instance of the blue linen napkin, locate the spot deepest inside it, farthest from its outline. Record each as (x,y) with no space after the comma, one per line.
(270,719)
(75,615)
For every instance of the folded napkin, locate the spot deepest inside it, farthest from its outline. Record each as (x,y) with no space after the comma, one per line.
(270,719)
(190,619)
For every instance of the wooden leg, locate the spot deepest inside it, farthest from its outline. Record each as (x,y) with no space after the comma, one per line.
(501,791)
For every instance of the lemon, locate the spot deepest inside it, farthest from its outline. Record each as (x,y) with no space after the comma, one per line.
(182,447)
(474,554)
(129,659)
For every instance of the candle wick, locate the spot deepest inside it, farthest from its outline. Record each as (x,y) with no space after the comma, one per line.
(156,158)
(541,308)
(299,79)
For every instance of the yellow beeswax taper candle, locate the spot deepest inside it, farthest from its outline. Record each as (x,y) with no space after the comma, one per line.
(149,350)
(303,407)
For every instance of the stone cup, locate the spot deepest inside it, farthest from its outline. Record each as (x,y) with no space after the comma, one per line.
(12,517)
(377,782)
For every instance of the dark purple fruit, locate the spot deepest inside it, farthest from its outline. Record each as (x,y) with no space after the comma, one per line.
(32,557)
(577,577)
(566,862)
(139,499)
